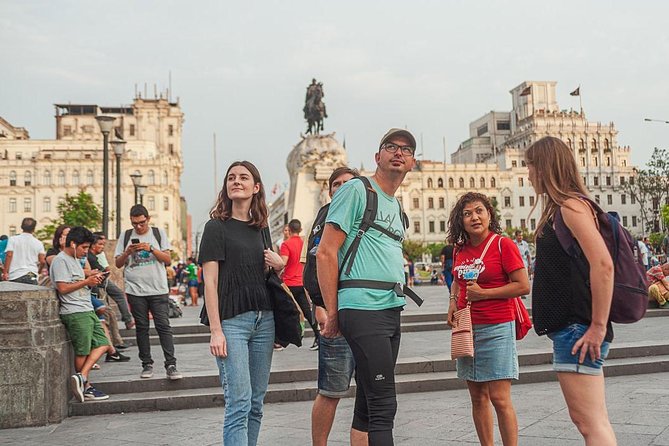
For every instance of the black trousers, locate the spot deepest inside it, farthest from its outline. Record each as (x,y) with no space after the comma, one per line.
(374,337)
(158,305)
(301,298)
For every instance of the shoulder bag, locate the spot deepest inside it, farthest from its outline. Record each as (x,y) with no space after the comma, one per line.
(288,317)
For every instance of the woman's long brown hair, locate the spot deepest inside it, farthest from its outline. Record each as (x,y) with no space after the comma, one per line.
(222,210)
(557,174)
(456,229)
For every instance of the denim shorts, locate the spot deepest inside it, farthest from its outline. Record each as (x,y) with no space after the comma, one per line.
(335,366)
(97,305)
(564,361)
(495,355)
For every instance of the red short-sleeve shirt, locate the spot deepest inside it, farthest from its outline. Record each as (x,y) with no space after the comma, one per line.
(292,274)
(501,259)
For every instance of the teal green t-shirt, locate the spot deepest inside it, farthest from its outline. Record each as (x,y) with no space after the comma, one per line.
(379,257)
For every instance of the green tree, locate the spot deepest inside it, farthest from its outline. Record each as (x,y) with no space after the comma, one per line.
(74,210)
(413,249)
(434,249)
(665,215)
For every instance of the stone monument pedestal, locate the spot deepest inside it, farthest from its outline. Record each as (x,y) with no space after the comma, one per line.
(35,357)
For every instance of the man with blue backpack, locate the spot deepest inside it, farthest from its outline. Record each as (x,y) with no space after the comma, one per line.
(364,298)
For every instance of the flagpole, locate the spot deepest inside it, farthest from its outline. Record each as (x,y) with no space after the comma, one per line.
(580,100)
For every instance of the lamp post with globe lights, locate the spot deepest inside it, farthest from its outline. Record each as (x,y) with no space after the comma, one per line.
(106,124)
(119,148)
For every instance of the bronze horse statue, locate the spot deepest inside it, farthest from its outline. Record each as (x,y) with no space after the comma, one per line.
(314,108)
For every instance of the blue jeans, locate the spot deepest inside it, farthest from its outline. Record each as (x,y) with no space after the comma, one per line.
(244,374)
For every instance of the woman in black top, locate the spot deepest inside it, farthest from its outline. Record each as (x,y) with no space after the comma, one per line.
(573,310)
(237,302)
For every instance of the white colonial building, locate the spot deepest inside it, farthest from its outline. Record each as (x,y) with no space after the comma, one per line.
(490,161)
(35,175)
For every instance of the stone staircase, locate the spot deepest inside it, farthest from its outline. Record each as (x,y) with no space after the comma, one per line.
(424,365)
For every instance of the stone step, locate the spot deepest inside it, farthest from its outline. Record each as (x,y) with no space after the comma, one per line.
(441,363)
(203,397)
(411,323)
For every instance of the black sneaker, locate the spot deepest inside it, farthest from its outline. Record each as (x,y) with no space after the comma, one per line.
(93,394)
(121,347)
(173,373)
(117,357)
(77,384)
(314,346)
(147,371)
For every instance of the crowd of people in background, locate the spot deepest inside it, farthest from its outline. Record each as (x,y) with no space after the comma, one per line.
(355,305)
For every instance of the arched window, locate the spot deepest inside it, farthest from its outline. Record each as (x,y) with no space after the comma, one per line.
(46,178)
(12,178)
(569,143)
(440,183)
(165,179)
(450,183)
(429,183)
(28,178)
(61,178)
(461,183)
(46,204)
(90,179)
(472,183)
(593,144)
(151,178)
(482,183)
(606,144)
(493,183)
(581,144)
(75,178)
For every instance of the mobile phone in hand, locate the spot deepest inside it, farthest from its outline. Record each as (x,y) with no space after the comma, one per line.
(135,241)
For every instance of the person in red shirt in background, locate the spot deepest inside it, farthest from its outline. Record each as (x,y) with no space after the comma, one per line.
(496,274)
(292,274)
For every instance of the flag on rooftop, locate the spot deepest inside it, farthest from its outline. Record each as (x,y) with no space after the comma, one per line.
(576,92)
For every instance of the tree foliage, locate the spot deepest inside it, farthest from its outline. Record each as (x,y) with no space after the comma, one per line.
(413,249)
(434,249)
(650,187)
(74,210)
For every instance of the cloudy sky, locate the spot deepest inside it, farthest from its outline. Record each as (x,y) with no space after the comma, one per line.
(240,69)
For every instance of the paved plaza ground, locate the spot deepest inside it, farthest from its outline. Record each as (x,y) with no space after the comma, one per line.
(638,404)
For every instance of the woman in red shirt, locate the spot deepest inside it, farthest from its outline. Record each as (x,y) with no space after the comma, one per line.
(500,276)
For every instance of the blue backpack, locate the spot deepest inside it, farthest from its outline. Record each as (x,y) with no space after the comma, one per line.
(630,287)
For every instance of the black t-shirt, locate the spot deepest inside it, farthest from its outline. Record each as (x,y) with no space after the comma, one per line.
(447,252)
(238,249)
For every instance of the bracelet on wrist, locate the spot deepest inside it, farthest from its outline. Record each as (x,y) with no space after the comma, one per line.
(453,297)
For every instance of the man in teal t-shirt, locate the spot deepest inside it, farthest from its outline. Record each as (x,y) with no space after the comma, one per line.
(369,319)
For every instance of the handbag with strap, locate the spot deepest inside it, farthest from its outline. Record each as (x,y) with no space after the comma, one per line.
(288,317)
(462,335)
(523,322)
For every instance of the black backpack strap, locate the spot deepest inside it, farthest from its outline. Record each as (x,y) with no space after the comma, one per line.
(126,237)
(400,289)
(156,235)
(368,217)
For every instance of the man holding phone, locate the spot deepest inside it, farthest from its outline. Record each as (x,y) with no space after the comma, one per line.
(144,259)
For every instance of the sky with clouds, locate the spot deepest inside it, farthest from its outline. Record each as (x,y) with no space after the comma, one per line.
(240,69)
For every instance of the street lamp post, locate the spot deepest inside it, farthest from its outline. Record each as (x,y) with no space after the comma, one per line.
(119,148)
(106,123)
(137,183)
(142,191)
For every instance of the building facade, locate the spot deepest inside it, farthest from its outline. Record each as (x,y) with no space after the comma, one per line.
(490,161)
(35,175)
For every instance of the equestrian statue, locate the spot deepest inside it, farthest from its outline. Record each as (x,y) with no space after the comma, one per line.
(314,108)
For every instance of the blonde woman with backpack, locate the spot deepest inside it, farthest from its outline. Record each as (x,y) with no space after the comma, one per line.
(572,312)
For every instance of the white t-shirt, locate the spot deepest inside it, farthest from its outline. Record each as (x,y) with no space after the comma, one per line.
(26,249)
(643,249)
(524,249)
(65,268)
(144,275)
